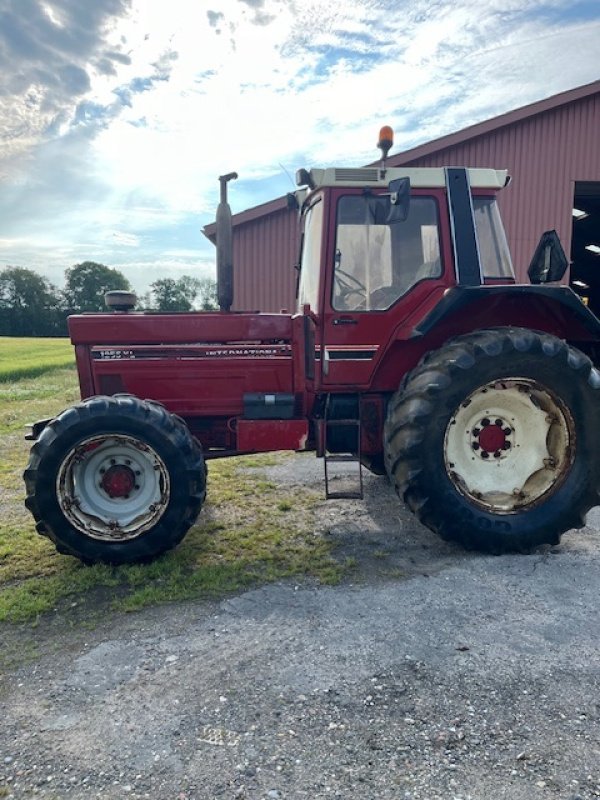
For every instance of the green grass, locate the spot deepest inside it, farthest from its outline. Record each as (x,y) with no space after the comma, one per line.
(248,533)
(27,358)
(28,399)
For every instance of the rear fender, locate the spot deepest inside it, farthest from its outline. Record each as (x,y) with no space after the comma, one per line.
(553,309)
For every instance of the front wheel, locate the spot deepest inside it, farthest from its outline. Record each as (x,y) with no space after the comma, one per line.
(115,479)
(491,440)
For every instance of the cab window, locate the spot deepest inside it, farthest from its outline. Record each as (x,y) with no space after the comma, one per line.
(310,260)
(494,253)
(378,259)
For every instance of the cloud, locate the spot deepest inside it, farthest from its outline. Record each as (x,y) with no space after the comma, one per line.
(126,239)
(161,70)
(260,17)
(48,53)
(215,18)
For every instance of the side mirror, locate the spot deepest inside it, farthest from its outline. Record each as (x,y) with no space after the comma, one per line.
(399,200)
(549,262)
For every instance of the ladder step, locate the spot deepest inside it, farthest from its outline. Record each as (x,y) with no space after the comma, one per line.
(344,495)
(353,483)
(354,479)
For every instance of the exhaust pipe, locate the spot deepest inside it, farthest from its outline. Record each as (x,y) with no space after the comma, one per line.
(225,246)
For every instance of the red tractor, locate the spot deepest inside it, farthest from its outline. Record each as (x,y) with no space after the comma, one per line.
(412,351)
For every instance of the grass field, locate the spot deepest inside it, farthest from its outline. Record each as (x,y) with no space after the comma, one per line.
(248,531)
(27,358)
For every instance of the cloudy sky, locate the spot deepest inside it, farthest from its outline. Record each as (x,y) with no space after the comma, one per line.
(117,116)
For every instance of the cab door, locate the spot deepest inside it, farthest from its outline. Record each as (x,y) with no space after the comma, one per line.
(379,271)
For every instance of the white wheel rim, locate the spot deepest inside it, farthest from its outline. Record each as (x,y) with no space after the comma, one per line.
(509,444)
(113,487)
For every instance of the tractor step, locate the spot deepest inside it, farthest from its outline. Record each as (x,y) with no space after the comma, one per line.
(353,489)
(355,479)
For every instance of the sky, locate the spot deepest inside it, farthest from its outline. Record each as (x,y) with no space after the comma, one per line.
(118,116)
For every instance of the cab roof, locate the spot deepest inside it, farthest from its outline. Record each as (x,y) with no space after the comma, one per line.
(420,177)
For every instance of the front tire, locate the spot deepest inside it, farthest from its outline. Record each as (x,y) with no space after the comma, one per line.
(491,440)
(115,479)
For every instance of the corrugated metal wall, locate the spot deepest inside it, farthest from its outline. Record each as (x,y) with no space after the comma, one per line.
(264,253)
(545,154)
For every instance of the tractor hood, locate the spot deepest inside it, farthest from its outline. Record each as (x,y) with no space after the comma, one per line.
(124,329)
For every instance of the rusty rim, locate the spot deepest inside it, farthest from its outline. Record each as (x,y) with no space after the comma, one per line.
(113,487)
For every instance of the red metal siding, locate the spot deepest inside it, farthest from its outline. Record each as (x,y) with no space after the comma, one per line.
(264,253)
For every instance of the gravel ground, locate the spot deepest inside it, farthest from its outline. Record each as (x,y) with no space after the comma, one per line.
(432,673)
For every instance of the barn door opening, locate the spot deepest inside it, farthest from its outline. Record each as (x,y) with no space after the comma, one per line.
(585,244)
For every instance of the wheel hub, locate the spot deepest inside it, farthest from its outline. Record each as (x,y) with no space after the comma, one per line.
(118,481)
(491,438)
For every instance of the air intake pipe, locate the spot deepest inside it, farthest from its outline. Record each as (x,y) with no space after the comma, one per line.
(225,246)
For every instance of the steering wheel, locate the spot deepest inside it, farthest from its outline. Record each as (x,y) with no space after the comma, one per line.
(347,285)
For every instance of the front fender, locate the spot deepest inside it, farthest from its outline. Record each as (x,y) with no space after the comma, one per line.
(36,428)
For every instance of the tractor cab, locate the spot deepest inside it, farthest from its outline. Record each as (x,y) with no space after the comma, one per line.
(374,252)
(382,246)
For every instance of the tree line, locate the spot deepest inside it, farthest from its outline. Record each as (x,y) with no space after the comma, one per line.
(30,305)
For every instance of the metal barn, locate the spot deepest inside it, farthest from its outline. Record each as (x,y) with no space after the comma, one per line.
(552,151)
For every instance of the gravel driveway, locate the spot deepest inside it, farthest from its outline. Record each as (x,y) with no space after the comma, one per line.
(434,673)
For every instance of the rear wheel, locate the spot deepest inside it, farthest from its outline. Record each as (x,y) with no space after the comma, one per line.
(115,479)
(491,439)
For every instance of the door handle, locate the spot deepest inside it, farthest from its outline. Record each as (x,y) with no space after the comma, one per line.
(345,321)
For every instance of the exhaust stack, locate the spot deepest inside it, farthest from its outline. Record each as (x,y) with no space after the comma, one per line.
(225,246)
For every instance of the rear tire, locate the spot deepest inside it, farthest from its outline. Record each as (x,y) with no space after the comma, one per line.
(491,440)
(115,479)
